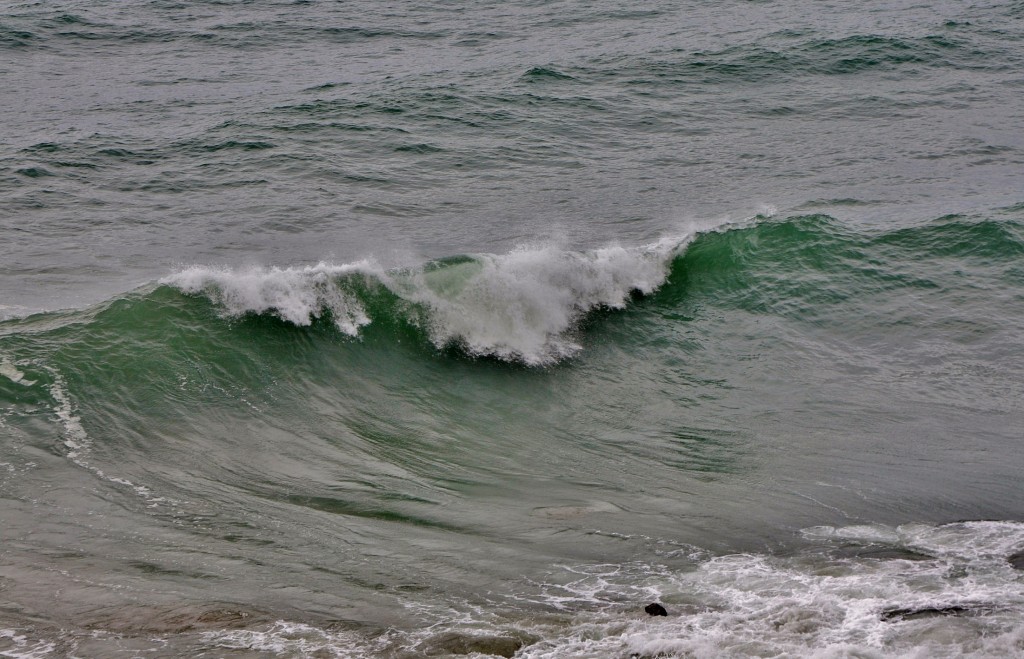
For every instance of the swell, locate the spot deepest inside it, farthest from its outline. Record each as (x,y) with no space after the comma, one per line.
(783,56)
(53,30)
(802,265)
(844,56)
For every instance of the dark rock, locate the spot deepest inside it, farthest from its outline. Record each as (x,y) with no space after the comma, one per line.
(1017,561)
(924,612)
(655,609)
(893,553)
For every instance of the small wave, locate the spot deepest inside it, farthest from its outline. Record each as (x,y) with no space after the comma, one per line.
(540,73)
(12,38)
(773,59)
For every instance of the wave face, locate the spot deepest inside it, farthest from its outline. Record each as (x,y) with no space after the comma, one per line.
(513,453)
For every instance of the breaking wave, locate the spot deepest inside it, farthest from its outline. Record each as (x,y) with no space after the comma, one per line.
(521,306)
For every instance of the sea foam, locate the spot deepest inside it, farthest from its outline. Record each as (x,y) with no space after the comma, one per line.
(297,295)
(523,306)
(954,594)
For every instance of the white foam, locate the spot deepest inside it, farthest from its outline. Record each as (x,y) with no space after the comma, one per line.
(291,639)
(522,306)
(297,295)
(809,605)
(75,438)
(862,533)
(10,371)
(17,645)
(973,541)
(78,441)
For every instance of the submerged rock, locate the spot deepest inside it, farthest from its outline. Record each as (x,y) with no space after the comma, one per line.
(173,619)
(655,609)
(924,612)
(1017,560)
(456,643)
(892,553)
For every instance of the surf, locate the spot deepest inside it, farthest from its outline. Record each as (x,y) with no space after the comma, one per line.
(523,306)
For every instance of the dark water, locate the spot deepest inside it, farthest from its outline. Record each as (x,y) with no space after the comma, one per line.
(360,329)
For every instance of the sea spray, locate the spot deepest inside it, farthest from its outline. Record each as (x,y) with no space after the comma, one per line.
(523,306)
(297,295)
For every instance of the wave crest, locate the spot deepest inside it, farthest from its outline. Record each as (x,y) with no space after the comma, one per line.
(296,295)
(523,306)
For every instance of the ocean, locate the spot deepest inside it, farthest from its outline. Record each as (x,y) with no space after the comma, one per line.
(441,329)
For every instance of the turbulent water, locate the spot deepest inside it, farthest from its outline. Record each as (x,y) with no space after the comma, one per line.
(441,329)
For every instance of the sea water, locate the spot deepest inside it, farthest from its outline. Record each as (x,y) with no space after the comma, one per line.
(443,329)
